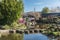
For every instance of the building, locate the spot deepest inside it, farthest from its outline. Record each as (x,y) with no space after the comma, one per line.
(42,18)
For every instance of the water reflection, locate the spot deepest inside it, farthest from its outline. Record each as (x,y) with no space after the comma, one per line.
(35,37)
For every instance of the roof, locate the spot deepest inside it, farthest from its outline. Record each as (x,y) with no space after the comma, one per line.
(43,15)
(33,14)
(50,14)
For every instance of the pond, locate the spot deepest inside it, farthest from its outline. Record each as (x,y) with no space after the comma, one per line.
(35,37)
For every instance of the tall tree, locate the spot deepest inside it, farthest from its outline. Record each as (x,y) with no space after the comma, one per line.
(11,10)
(45,10)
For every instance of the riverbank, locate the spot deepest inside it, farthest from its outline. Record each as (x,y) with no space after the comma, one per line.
(13,36)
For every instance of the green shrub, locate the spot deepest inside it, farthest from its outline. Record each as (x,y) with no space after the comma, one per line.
(15,25)
(6,26)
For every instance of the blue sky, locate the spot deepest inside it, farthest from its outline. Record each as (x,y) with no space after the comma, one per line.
(29,5)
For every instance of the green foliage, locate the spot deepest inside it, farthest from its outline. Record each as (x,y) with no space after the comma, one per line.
(45,10)
(56,33)
(12,37)
(11,10)
(18,26)
(15,25)
(6,26)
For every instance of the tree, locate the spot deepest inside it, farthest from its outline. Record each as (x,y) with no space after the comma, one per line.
(45,10)
(10,10)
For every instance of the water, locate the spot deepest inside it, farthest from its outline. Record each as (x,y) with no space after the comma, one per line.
(35,37)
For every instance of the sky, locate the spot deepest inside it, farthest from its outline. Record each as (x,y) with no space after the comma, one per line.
(29,5)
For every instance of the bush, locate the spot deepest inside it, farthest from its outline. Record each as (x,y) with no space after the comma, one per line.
(15,25)
(6,26)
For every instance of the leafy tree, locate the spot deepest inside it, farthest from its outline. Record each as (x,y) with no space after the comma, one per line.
(45,10)
(11,11)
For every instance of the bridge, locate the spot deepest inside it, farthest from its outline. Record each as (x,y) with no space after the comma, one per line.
(28,31)
(25,31)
